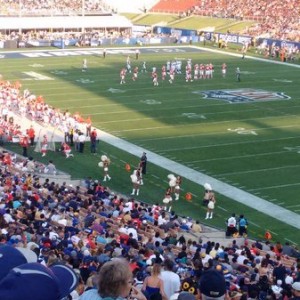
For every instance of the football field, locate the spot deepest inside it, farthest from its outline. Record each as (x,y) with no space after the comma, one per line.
(245,134)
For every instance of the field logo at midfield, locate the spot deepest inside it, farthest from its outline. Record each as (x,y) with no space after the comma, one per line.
(243,95)
(242,130)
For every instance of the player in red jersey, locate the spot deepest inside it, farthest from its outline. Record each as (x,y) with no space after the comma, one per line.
(207,71)
(67,150)
(196,71)
(201,71)
(211,70)
(135,73)
(188,73)
(154,79)
(163,72)
(122,76)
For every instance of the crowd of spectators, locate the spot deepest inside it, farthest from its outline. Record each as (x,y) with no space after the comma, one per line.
(34,108)
(84,227)
(275,19)
(51,7)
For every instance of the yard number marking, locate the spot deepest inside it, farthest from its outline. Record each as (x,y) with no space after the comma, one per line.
(241,130)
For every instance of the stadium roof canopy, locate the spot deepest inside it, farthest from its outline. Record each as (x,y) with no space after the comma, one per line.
(63,22)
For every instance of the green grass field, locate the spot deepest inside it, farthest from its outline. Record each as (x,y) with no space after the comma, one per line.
(251,145)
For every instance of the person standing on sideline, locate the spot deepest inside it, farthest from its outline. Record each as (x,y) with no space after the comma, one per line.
(137,54)
(207,194)
(231,225)
(93,138)
(104,53)
(104,163)
(31,135)
(238,74)
(143,163)
(177,187)
(170,279)
(210,205)
(243,223)
(24,142)
(81,140)
(44,146)
(136,181)
(88,126)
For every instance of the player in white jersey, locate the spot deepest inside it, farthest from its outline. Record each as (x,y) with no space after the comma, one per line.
(144,67)
(224,69)
(178,65)
(168,66)
(84,65)
(172,75)
(128,64)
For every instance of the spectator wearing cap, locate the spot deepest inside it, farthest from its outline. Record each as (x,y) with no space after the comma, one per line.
(212,285)
(296,290)
(183,296)
(35,281)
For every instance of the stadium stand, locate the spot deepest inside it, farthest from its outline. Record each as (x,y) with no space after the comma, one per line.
(176,6)
(276,19)
(52,8)
(136,6)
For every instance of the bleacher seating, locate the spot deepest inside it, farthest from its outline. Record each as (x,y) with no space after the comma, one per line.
(174,6)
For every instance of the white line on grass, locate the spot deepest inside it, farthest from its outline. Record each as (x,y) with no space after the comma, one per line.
(260,170)
(290,206)
(238,157)
(247,57)
(222,208)
(254,224)
(290,241)
(275,187)
(273,232)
